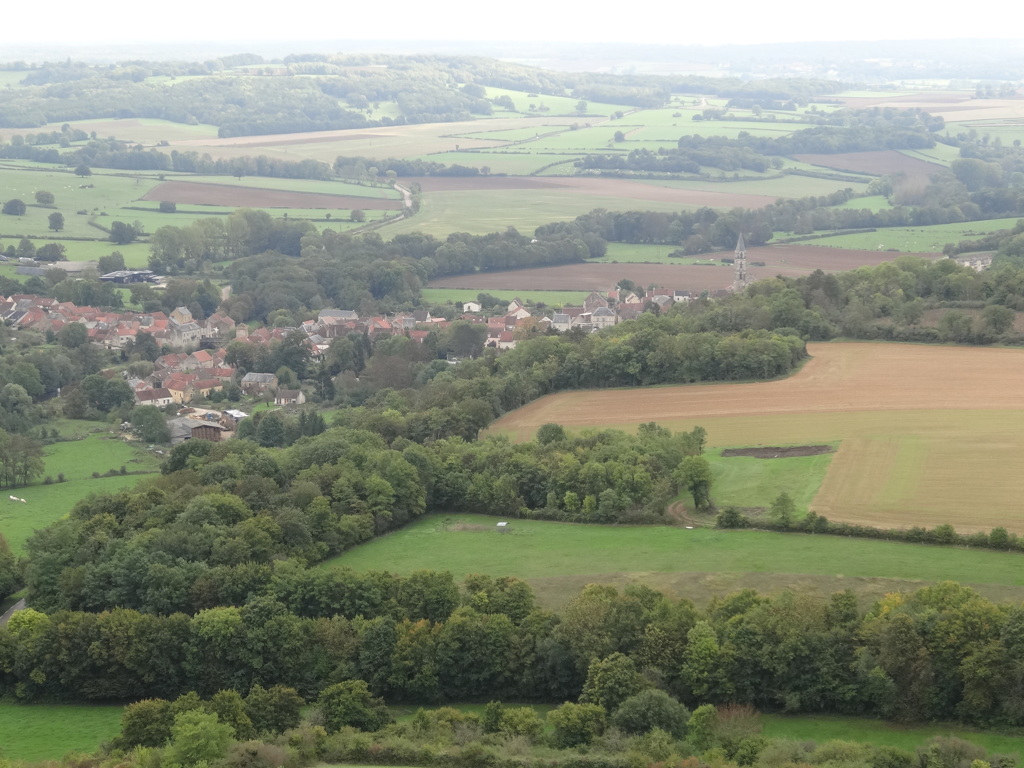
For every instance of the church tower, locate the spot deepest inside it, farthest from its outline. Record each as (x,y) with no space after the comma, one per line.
(740,263)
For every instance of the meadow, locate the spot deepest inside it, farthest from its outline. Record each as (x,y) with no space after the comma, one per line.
(749,482)
(558,559)
(76,459)
(928,239)
(35,732)
(914,447)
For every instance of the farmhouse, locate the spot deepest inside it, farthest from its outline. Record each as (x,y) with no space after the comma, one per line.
(258,383)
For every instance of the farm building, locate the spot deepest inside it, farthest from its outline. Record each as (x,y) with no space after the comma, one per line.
(258,383)
(184,428)
(127,276)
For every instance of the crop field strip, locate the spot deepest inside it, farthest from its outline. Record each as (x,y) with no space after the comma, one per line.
(924,431)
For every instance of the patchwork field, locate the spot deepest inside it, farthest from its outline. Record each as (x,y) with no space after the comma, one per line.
(926,434)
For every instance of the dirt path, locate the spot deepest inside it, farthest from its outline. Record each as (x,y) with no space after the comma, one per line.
(406,195)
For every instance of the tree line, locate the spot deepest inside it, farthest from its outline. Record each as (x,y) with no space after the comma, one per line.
(940,653)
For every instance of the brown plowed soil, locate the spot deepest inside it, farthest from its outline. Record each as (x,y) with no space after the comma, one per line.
(191,193)
(787,260)
(878,163)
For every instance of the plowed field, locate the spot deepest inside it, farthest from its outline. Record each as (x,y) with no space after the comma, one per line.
(928,434)
(878,163)
(787,260)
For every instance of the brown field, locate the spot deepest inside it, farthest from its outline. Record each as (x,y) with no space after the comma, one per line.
(927,434)
(786,260)
(187,192)
(592,277)
(877,163)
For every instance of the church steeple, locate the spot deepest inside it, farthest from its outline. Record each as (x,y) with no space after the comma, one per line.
(740,262)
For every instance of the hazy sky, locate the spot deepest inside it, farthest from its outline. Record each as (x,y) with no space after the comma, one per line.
(709,23)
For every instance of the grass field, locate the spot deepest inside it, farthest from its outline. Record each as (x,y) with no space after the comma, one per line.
(914,447)
(77,460)
(745,481)
(558,559)
(833,727)
(34,732)
(915,239)
(480,213)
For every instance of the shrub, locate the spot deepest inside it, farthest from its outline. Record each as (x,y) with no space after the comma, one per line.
(651,709)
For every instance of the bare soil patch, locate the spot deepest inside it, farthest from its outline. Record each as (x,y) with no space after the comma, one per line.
(878,163)
(794,260)
(779,452)
(786,260)
(191,193)
(590,277)
(849,377)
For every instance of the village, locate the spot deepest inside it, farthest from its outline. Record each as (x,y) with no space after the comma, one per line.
(198,364)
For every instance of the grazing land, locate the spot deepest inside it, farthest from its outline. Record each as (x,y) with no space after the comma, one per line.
(828,727)
(929,239)
(558,559)
(751,482)
(923,431)
(76,460)
(34,732)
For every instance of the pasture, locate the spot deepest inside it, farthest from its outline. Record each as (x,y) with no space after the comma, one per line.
(36,732)
(821,728)
(750,482)
(928,239)
(924,432)
(559,559)
(77,460)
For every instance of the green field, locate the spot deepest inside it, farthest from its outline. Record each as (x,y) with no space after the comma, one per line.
(34,732)
(822,728)
(551,298)
(872,203)
(914,239)
(745,481)
(526,209)
(560,558)
(77,460)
